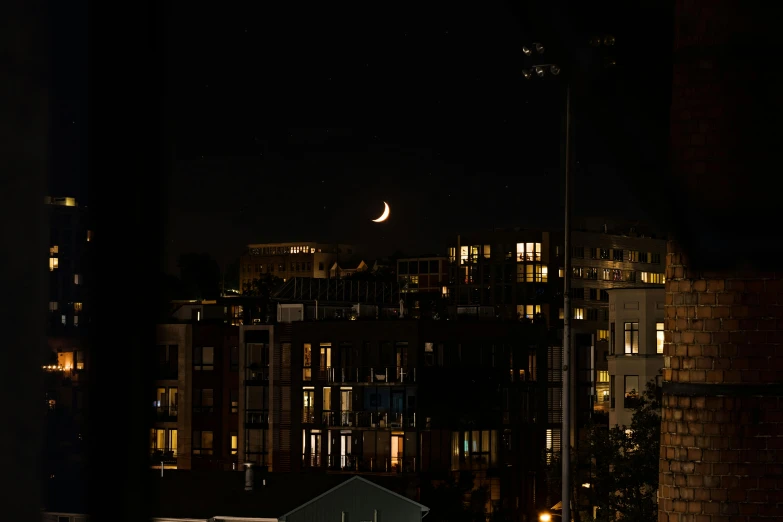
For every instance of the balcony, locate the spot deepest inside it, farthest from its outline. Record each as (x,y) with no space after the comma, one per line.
(165,455)
(308,416)
(255,374)
(359,463)
(165,413)
(256,418)
(368,419)
(370,374)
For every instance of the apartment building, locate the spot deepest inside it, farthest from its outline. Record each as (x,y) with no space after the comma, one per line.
(426,274)
(65,383)
(287,260)
(519,274)
(195,400)
(69,238)
(636,328)
(366,397)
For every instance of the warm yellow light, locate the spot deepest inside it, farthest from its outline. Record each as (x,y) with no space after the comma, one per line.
(385,214)
(545,517)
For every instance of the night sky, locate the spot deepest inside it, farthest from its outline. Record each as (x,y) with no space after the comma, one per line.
(298,125)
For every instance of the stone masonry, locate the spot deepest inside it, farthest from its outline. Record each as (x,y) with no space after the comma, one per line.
(722,428)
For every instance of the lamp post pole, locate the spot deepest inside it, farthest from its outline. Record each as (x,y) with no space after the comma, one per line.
(565,435)
(565,432)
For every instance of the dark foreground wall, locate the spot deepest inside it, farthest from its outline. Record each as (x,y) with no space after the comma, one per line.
(722,429)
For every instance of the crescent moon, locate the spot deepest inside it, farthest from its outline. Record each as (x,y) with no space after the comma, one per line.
(385,214)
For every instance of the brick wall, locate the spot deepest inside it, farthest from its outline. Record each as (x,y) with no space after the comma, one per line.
(721,441)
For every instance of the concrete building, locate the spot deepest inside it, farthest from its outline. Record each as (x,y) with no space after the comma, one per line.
(636,320)
(293,259)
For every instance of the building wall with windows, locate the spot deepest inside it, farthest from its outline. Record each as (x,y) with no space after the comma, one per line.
(636,322)
(293,259)
(367,397)
(69,238)
(195,397)
(423,274)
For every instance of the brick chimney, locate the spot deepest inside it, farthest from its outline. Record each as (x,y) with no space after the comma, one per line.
(722,426)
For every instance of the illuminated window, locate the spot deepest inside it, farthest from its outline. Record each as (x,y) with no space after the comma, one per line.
(602,335)
(552,443)
(631,391)
(76,320)
(414,279)
(53,306)
(308,405)
(560,272)
(53,251)
(89,235)
(463,255)
(486,251)
(77,279)
(560,314)
(307,362)
(528,311)
(633,256)
(653,278)
(452,254)
(202,442)
(528,251)
(659,337)
(234,446)
(54,263)
(579,313)
(603,376)
(77,307)
(631,338)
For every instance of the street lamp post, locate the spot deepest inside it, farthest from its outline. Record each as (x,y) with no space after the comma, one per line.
(540,71)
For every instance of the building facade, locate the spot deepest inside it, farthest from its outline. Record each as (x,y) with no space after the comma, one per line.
(69,238)
(287,260)
(366,397)
(636,330)
(195,400)
(519,274)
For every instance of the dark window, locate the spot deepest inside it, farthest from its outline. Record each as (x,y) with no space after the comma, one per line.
(592,314)
(643,257)
(617,255)
(434,267)
(203,400)
(202,442)
(320,265)
(203,358)
(403,267)
(234,358)
(611,340)
(656,259)
(604,253)
(612,391)
(578,293)
(579,252)
(604,295)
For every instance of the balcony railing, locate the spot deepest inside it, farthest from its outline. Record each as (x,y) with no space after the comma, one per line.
(368,419)
(311,460)
(369,374)
(308,416)
(256,417)
(166,413)
(361,463)
(163,455)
